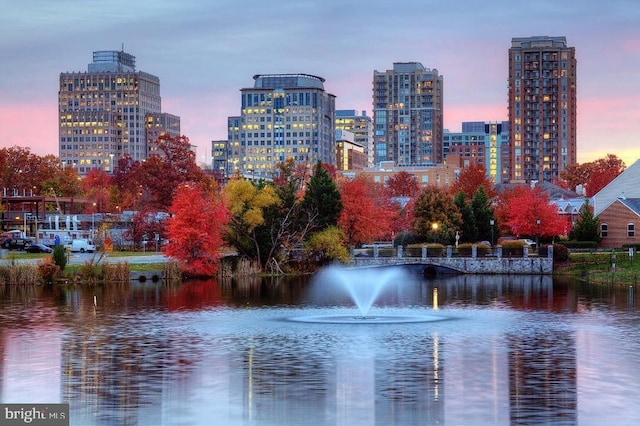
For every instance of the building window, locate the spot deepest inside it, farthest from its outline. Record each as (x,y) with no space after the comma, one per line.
(631,230)
(604,230)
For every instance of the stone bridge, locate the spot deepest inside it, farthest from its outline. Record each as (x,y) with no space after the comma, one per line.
(494,264)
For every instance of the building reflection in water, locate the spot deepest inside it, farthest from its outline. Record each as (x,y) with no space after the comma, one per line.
(154,354)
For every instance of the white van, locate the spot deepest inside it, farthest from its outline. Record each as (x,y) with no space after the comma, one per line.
(82,246)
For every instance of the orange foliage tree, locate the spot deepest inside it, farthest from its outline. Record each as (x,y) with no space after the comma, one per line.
(195,229)
(594,175)
(366,214)
(520,208)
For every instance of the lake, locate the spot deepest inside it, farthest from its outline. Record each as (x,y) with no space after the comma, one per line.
(493,350)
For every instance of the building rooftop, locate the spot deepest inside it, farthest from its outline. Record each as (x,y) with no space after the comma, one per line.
(287,81)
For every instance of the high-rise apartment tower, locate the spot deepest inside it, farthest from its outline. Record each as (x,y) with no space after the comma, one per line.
(542,107)
(407,112)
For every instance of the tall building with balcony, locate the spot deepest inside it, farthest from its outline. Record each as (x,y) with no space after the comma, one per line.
(542,107)
(283,116)
(480,142)
(361,126)
(408,115)
(103,112)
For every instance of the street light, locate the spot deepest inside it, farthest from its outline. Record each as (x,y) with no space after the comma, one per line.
(93,220)
(434,228)
(538,236)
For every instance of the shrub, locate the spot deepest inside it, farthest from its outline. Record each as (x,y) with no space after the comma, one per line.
(60,257)
(433,249)
(48,270)
(580,244)
(560,252)
(327,246)
(513,248)
(466,249)
(407,238)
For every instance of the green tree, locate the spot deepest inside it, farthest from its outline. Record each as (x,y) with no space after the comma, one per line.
(327,246)
(436,216)
(321,204)
(483,214)
(469,224)
(587,226)
(60,256)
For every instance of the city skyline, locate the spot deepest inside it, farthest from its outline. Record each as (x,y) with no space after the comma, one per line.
(205,53)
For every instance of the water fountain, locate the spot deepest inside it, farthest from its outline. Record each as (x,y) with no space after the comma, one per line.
(337,285)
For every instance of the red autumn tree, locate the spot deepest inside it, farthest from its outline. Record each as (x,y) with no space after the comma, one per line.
(603,171)
(195,228)
(403,184)
(470,179)
(152,184)
(144,227)
(125,179)
(366,214)
(97,185)
(521,208)
(594,175)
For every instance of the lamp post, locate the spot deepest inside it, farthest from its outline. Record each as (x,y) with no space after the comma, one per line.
(93,220)
(492,222)
(538,236)
(434,228)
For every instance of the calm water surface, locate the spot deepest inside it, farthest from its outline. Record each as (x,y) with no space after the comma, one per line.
(497,350)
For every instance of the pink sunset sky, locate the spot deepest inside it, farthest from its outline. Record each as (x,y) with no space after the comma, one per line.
(204,52)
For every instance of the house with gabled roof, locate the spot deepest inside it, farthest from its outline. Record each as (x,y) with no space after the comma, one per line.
(626,184)
(569,210)
(618,223)
(617,206)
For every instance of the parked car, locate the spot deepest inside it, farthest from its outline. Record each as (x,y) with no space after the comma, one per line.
(16,243)
(38,248)
(529,242)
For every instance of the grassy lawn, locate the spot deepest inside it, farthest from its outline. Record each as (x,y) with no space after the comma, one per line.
(597,267)
(71,270)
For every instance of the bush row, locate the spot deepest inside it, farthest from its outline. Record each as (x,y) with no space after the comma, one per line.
(46,271)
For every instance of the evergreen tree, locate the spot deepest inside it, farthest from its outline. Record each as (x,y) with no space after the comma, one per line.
(587,226)
(469,231)
(483,214)
(322,204)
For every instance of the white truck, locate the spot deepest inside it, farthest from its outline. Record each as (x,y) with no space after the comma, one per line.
(82,246)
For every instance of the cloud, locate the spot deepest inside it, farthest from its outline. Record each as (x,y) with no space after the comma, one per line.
(204,52)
